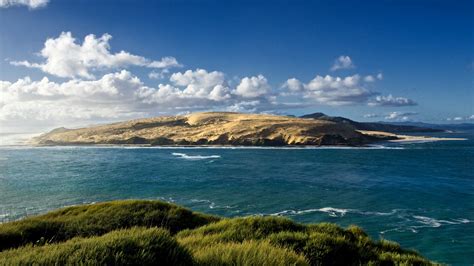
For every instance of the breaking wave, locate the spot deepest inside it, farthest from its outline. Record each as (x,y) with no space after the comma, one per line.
(403,221)
(195,157)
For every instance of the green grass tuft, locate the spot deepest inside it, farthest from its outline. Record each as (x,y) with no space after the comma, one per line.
(247,253)
(98,219)
(136,246)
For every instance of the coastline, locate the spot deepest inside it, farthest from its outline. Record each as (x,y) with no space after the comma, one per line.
(397,138)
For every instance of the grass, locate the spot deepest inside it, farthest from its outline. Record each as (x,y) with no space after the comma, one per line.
(320,244)
(98,219)
(152,232)
(143,246)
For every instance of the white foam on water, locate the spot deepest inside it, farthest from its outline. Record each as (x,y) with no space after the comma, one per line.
(432,222)
(195,157)
(409,222)
(333,212)
(211,204)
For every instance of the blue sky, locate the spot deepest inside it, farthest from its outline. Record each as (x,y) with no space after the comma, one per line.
(256,56)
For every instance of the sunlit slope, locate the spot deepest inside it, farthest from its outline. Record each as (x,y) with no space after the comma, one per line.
(212,128)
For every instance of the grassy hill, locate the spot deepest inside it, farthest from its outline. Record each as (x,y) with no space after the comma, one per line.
(139,232)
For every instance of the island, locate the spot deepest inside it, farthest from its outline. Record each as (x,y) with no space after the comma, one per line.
(228,128)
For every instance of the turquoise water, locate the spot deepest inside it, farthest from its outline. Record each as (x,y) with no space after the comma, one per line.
(421,195)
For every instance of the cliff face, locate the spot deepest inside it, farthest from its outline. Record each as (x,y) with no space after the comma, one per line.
(213,128)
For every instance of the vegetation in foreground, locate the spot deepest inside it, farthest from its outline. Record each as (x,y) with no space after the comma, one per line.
(138,232)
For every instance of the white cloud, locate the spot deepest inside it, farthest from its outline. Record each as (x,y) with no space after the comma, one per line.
(158,74)
(369,78)
(45,103)
(400,116)
(371,115)
(252,87)
(245,106)
(332,90)
(460,118)
(202,84)
(32,4)
(117,96)
(342,62)
(108,87)
(293,85)
(391,101)
(68,59)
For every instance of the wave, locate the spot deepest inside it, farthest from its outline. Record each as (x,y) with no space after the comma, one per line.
(432,222)
(211,204)
(409,222)
(333,212)
(195,157)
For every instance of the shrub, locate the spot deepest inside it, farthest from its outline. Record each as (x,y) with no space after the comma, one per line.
(136,246)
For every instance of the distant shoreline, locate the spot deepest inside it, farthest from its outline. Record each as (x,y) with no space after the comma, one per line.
(407,138)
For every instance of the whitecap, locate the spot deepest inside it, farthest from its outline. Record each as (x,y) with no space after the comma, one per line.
(431,222)
(334,212)
(195,157)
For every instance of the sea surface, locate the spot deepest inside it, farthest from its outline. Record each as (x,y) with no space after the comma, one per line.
(418,194)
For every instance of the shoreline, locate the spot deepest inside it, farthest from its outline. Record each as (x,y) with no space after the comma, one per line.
(407,138)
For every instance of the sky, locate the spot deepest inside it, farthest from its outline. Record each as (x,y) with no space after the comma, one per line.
(73,63)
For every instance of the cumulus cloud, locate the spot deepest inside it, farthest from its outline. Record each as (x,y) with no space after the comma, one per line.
(194,89)
(32,4)
(392,101)
(293,85)
(45,103)
(461,118)
(400,116)
(202,84)
(68,59)
(342,62)
(252,87)
(332,90)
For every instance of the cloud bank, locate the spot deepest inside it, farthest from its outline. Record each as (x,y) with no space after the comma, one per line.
(97,87)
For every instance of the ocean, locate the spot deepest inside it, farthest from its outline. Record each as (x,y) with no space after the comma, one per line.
(418,194)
